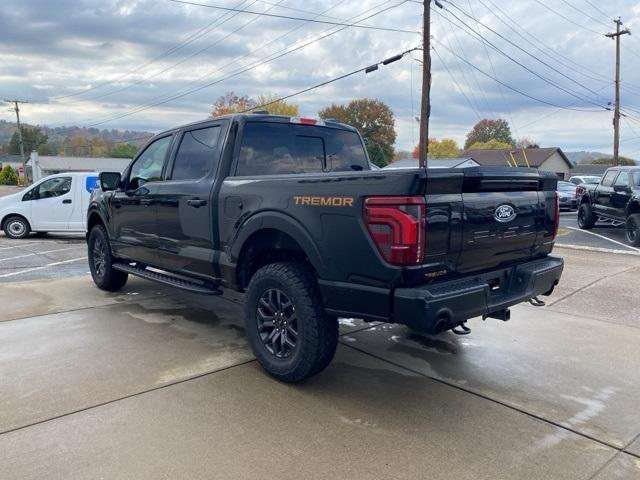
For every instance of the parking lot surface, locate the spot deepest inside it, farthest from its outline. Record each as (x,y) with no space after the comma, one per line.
(151,382)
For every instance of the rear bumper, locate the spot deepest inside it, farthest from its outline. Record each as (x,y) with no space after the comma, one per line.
(434,308)
(437,307)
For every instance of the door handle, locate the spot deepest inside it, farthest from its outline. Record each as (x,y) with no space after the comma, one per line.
(196,203)
(146,201)
(66,201)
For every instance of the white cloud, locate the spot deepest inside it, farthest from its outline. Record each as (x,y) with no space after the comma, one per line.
(49,49)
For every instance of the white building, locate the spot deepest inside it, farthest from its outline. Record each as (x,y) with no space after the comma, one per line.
(44,165)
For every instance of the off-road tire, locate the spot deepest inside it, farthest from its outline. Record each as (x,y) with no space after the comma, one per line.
(586,217)
(16,227)
(317,333)
(101,261)
(632,229)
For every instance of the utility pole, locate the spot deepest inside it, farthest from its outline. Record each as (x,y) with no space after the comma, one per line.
(425,103)
(616,113)
(16,109)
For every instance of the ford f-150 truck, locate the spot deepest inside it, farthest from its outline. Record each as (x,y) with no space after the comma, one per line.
(290,211)
(615,200)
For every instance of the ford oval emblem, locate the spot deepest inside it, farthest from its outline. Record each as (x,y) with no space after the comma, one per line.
(504,213)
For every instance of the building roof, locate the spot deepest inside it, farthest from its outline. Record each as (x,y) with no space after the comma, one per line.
(81,164)
(501,157)
(432,162)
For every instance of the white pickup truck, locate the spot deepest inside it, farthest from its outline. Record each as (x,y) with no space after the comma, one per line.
(57,203)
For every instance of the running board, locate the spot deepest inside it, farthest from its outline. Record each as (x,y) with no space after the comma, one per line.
(610,221)
(193,286)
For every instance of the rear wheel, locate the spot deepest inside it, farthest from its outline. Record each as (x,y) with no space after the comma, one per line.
(287,328)
(101,261)
(16,227)
(633,229)
(586,217)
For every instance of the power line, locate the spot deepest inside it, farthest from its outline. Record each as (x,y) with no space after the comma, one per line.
(584,13)
(238,72)
(566,18)
(340,24)
(367,69)
(188,40)
(598,9)
(509,86)
(516,46)
(455,82)
(533,72)
(188,57)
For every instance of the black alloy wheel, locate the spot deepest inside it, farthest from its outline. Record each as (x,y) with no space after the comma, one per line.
(277,323)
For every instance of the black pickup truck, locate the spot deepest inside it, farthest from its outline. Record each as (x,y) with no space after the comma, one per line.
(290,211)
(614,201)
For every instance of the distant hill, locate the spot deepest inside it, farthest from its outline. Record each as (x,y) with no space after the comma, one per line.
(586,156)
(56,135)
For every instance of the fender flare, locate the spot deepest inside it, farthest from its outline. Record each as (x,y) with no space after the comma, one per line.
(273,220)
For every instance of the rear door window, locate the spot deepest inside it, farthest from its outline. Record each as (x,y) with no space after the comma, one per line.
(198,154)
(607,181)
(283,148)
(277,148)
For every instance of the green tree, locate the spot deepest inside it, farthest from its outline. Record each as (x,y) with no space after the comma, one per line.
(375,122)
(492,144)
(32,138)
(609,161)
(8,176)
(277,107)
(487,129)
(122,150)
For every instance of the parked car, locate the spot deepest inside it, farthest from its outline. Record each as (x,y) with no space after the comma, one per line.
(588,179)
(567,195)
(57,203)
(290,211)
(615,200)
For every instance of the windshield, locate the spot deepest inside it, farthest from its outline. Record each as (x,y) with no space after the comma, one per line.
(591,179)
(566,186)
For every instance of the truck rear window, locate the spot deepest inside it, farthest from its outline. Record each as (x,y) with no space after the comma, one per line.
(283,148)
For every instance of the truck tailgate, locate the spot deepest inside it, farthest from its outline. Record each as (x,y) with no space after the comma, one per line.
(508,215)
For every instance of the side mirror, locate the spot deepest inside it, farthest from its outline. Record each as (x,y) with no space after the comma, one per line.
(620,188)
(109,181)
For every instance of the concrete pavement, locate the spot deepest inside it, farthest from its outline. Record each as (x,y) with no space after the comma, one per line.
(155,383)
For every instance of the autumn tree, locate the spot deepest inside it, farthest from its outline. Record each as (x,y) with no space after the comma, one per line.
(232,103)
(487,129)
(277,107)
(492,144)
(445,148)
(375,122)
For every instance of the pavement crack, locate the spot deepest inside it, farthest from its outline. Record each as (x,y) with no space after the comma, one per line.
(590,284)
(496,401)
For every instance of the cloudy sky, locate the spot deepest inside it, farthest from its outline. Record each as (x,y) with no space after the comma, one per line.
(152,64)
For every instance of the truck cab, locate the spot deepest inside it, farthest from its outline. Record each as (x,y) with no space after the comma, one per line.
(614,201)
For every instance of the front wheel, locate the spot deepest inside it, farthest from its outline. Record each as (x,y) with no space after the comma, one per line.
(586,217)
(286,326)
(16,227)
(633,229)
(101,261)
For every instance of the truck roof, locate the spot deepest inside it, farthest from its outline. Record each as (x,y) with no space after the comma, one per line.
(265,117)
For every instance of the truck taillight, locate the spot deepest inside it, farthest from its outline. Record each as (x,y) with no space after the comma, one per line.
(397,227)
(556,215)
